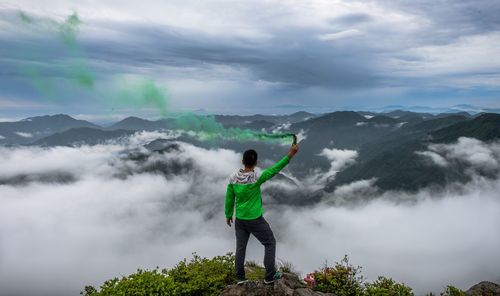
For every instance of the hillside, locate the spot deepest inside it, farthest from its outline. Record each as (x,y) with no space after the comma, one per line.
(34,128)
(81,136)
(395,164)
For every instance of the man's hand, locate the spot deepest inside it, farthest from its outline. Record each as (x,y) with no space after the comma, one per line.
(229,221)
(293,150)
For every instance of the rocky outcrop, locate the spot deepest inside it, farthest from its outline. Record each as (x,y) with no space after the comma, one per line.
(484,289)
(288,285)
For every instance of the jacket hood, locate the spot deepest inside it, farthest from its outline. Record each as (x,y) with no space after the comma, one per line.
(242,177)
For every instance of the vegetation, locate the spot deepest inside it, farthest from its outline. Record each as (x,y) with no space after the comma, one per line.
(449,291)
(452,291)
(287,266)
(387,287)
(203,276)
(253,271)
(199,276)
(344,279)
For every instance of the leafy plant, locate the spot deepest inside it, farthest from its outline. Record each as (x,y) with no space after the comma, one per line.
(452,291)
(384,286)
(343,279)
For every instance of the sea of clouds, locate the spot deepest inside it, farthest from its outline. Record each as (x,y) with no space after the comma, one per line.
(73,216)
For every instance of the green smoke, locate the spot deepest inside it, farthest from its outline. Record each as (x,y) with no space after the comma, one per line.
(25,18)
(211,129)
(77,68)
(75,65)
(69,29)
(141,93)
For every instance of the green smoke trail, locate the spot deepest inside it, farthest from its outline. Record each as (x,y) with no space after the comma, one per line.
(24,17)
(75,67)
(141,93)
(69,29)
(211,129)
(78,69)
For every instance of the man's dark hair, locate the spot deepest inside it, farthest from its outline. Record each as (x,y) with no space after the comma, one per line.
(250,158)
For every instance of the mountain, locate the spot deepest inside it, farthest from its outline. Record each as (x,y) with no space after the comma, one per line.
(82,136)
(471,109)
(241,120)
(139,124)
(485,127)
(393,161)
(34,128)
(340,130)
(381,119)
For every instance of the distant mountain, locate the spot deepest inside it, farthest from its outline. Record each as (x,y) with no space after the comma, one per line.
(381,119)
(81,136)
(258,125)
(462,113)
(139,124)
(241,120)
(33,128)
(471,109)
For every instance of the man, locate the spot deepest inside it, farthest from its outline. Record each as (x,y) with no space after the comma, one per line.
(244,189)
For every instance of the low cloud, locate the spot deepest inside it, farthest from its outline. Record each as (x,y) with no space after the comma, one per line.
(24,135)
(339,159)
(472,153)
(129,207)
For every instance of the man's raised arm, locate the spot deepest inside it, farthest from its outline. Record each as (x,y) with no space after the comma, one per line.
(277,167)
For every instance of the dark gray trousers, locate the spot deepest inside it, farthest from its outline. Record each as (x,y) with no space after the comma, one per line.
(261,230)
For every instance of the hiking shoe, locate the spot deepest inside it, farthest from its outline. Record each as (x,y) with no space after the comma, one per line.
(277,276)
(241,282)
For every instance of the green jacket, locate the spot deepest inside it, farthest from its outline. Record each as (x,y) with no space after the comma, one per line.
(244,188)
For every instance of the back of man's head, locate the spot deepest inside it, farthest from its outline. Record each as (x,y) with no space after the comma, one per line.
(250,158)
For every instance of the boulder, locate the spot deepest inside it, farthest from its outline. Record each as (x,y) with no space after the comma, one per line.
(288,285)
(484,289)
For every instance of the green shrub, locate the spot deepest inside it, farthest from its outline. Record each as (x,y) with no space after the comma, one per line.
(199,276)
(202,276)
(343,279)
(387,287)
(143,282)
(452,291)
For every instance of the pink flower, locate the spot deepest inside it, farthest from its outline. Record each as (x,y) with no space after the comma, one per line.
(309,279)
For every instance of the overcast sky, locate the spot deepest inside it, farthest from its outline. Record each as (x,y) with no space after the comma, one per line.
(247,57)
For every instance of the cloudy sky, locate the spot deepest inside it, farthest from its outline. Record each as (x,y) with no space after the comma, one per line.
(247,57)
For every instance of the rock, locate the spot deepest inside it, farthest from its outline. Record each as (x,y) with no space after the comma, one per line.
(288,285)
(484,289)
